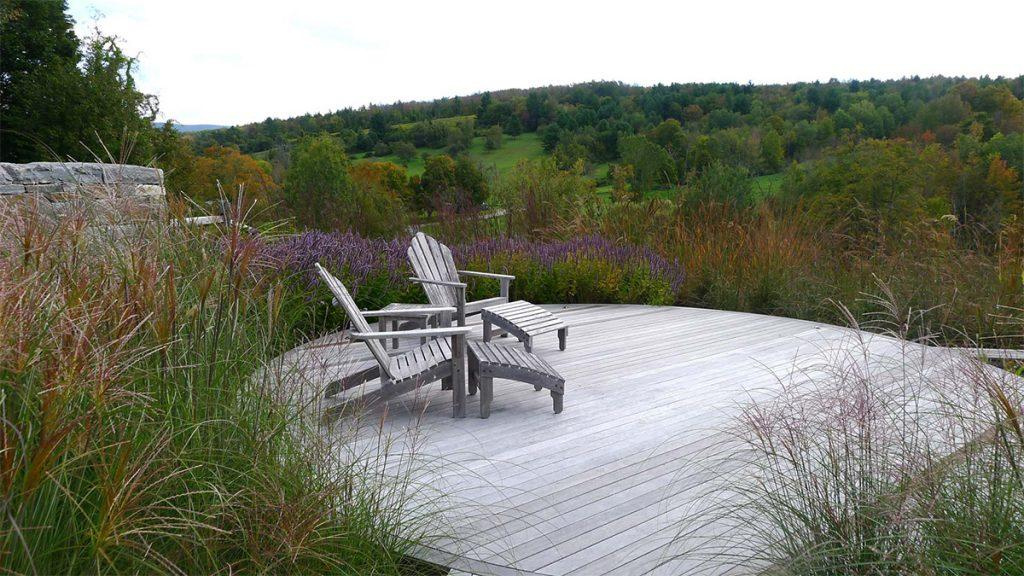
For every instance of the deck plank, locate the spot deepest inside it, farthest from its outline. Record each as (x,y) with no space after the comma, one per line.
(604,486)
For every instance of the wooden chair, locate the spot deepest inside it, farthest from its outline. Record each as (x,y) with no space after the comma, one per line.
(438,359)
(435,270)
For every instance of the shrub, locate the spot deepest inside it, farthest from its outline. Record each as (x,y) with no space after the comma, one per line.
(583,269)
(538,196)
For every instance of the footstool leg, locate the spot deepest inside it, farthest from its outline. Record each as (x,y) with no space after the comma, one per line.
(446,383)
(556,399)
(563,333)
(486,395)
(423,325)
(537,387)
(528,342)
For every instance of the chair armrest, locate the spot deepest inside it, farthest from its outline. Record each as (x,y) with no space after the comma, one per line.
(487,275)
(421,333)
(409,312)
(439,282)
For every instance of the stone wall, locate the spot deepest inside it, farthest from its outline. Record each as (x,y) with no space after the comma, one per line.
(55,185)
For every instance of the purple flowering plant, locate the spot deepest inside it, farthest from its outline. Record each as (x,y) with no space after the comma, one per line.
(587,268)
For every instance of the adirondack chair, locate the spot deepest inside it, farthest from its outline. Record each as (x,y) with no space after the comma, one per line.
(438,359)
(435,270)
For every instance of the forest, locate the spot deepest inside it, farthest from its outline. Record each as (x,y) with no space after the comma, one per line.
(957,140)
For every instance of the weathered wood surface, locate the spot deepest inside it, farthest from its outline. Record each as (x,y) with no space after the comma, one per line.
(606,486)
(490,361)
(409,370)
(523,320)
(436,272)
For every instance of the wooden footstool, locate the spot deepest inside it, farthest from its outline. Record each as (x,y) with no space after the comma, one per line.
(524,321)
(490,361)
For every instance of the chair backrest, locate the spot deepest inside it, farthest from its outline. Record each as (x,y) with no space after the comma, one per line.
(355,316)
(433,261)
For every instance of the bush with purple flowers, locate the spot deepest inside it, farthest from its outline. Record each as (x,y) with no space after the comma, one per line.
(583,269)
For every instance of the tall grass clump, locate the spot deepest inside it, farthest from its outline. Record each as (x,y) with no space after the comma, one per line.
(907,461)
(142,428)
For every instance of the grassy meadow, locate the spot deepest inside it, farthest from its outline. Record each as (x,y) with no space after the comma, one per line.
(500,161)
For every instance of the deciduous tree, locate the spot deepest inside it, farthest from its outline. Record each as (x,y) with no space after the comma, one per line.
(317,185)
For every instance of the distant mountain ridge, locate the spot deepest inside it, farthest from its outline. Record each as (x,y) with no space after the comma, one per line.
(185,128)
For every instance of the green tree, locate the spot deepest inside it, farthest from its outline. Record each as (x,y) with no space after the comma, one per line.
(379,192)
(550,137)
(669,135)
(114,113)
(456,184)
(404,150)
(173,154)
(876,187)
(772,154)
(317,185)
(437,179)
(513,126)
(492,139)
(652,165)
(538,195)
(471,185)
(722,184)
(460,137)
(569,153)
(63,98)
(39,78)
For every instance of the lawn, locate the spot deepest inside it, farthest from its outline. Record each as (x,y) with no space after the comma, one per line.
(766,186)
(513,149)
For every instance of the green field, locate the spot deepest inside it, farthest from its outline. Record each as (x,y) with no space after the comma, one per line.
(449,121)
(766,186)
(500,161)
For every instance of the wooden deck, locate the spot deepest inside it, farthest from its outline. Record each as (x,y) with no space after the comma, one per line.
(604,487)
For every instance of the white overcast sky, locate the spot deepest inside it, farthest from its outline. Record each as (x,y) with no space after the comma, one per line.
(228,62)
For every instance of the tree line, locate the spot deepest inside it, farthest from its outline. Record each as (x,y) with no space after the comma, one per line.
(875,150)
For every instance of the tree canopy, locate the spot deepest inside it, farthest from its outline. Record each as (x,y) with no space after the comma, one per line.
(61,97)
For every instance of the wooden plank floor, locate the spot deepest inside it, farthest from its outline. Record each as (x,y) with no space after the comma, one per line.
(604,487)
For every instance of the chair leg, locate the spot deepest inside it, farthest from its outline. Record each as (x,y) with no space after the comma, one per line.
(474,382)
(528,342)
(486,395)
(556,399)
(563,333)
(460,369)
(487,331)
(423,325)
(446,383)
(394,326)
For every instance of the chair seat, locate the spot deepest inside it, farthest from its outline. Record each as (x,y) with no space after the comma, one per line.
(513,363)
(489,361)
(421,359)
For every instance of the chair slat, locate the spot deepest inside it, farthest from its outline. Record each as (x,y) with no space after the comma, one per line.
(356,317)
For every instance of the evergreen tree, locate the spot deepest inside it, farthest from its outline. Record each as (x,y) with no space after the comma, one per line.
(61,98)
